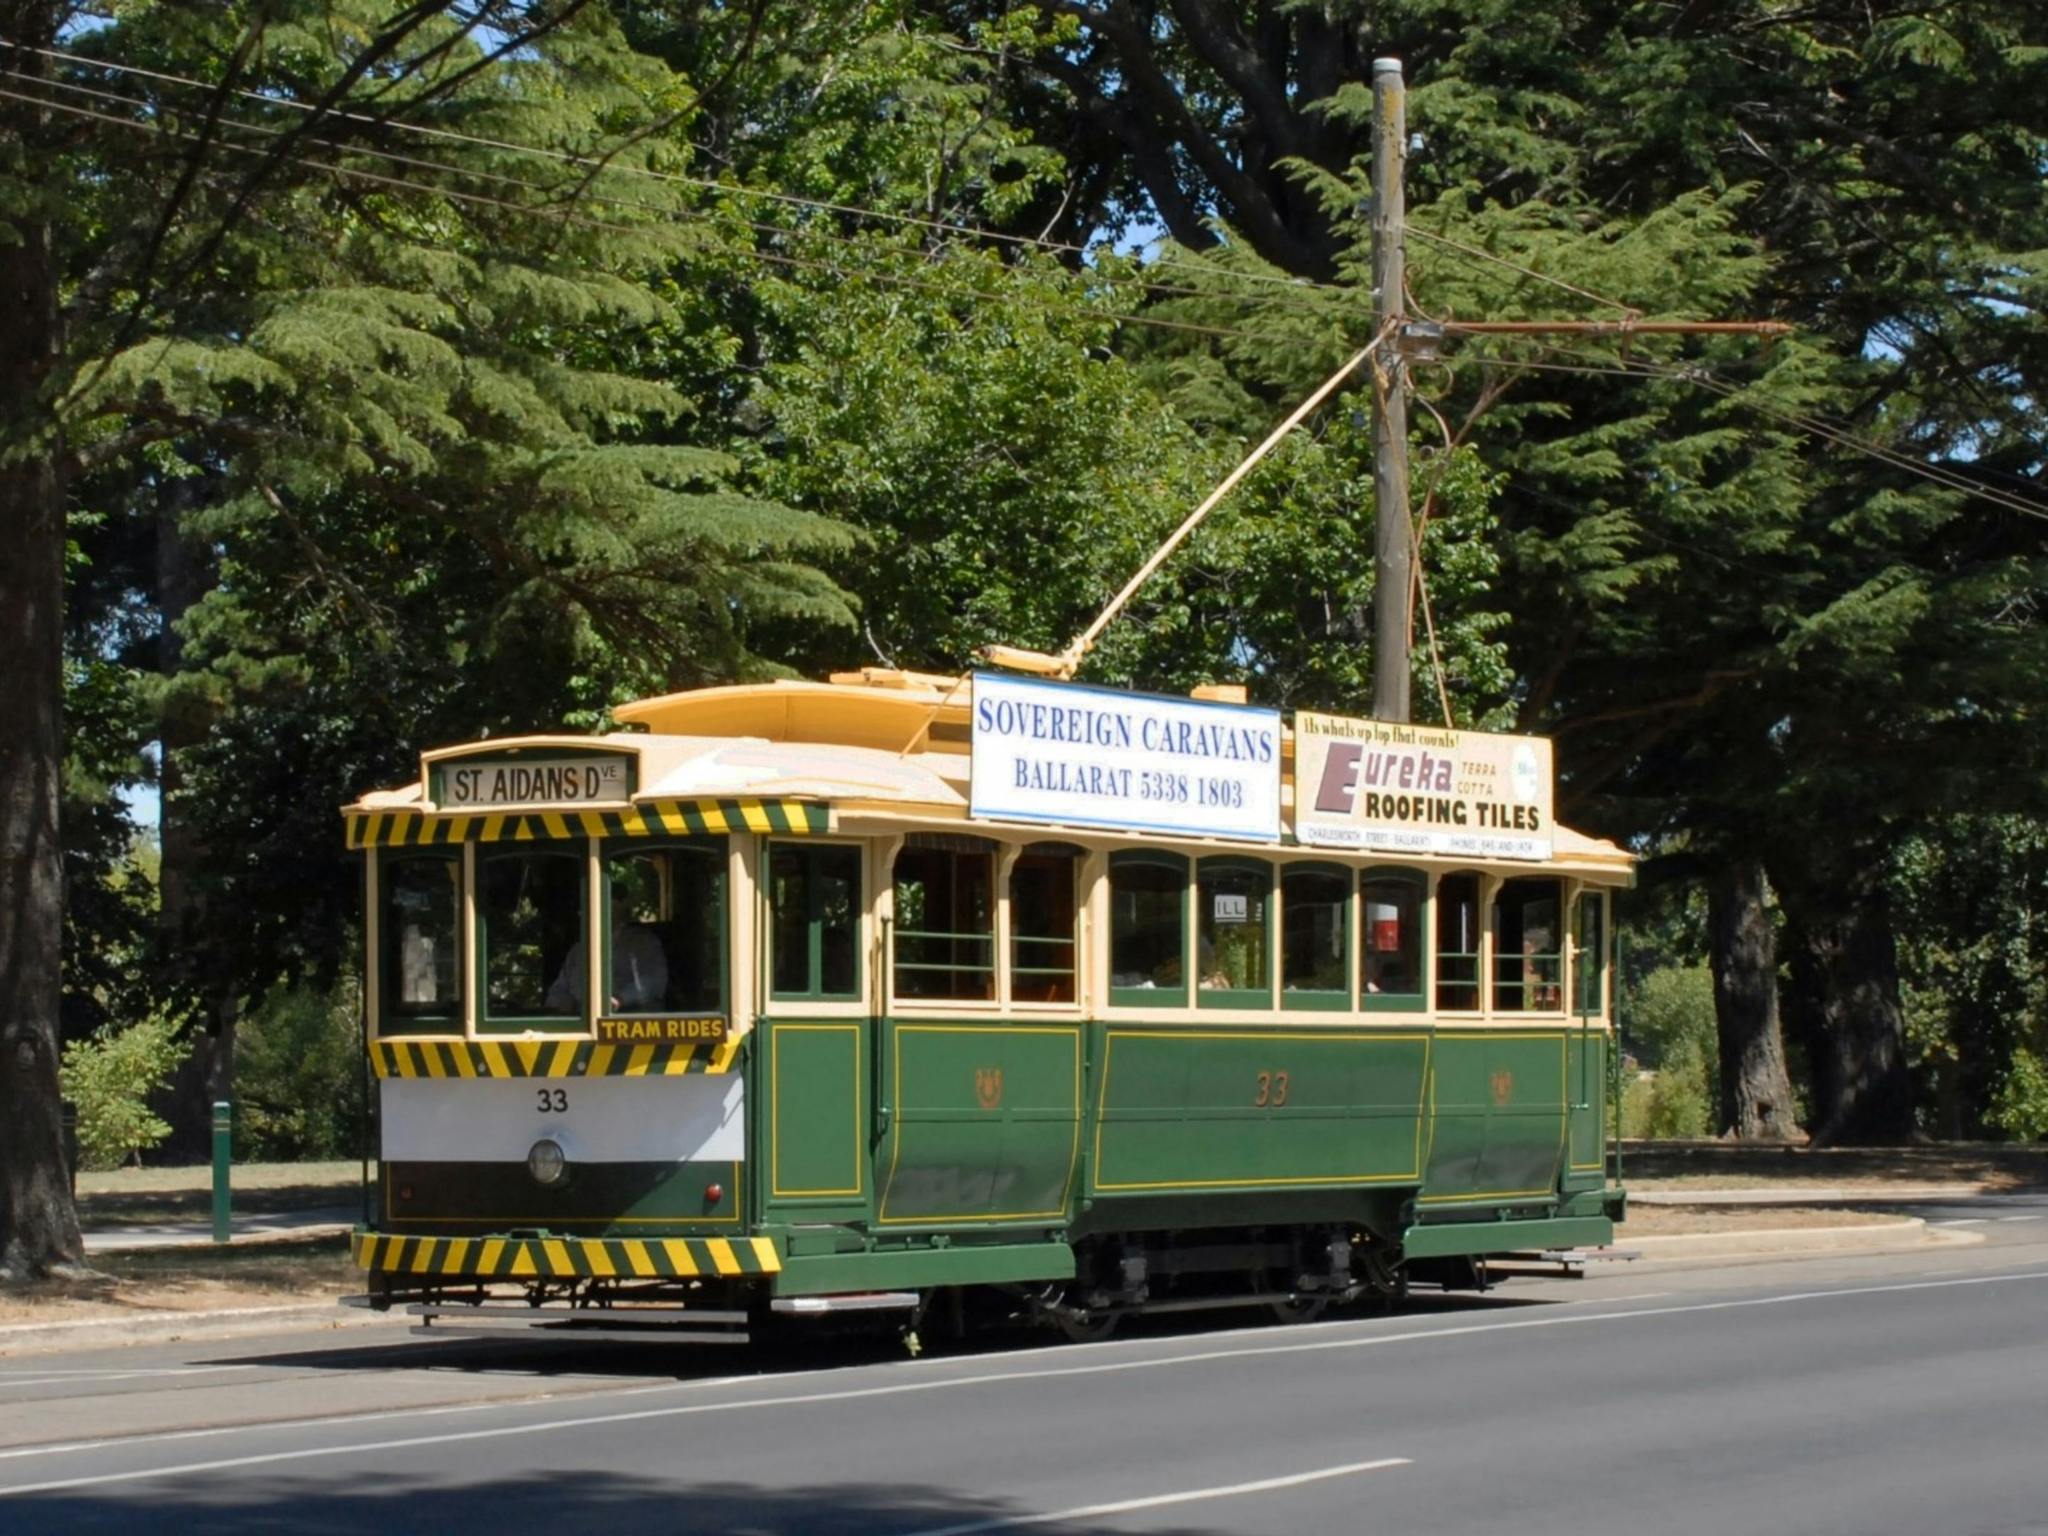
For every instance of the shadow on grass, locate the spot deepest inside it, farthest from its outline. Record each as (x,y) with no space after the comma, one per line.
(615,1503)
(150,1207)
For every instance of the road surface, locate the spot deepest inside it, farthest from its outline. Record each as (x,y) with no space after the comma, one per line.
(1869,1395)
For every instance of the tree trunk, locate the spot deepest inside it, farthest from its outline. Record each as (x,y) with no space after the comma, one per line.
(38,1225)
(1756,1089)
(1856,1028)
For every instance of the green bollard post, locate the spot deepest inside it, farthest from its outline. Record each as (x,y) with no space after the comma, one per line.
(223,1149)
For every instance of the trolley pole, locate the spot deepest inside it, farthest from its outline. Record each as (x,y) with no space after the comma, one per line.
(1393,577)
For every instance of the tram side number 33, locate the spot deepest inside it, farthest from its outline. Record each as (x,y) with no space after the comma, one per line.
(1272,1091)
(553,1101)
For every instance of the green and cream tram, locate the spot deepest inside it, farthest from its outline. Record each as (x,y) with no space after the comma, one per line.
(805,998)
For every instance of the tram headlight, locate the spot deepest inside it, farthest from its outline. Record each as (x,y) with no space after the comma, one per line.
(546,1161)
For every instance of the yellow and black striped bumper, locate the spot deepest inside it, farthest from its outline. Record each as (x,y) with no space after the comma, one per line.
(541,1058)
(564,1258)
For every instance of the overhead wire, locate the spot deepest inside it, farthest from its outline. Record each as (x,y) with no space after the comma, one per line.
(1812,426)
(592,163)
(808,232)
(570,216)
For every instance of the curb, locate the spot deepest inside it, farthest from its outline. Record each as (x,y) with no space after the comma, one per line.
(170,1327)
(118,1241)
(1791,1242)
(1896,1194)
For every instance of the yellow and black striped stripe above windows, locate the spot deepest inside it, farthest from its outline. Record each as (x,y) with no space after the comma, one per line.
(542,1058)
(565,1258)
(662,818)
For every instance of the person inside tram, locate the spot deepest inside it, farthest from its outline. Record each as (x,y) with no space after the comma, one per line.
(639,968)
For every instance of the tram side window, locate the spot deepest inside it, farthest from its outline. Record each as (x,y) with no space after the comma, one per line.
(1457,943)
(1233,943)
(814,899)
(1148,930)
(1043,908)
(1315,937)
(945,924)
(1393,941)
(665,934)
(1528,947)
(531,907)
(1590,969)
(421,932)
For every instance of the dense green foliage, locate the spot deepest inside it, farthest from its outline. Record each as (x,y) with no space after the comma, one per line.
(110,1077)
(378,438)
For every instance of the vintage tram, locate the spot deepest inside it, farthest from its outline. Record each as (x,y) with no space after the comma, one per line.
(799,999)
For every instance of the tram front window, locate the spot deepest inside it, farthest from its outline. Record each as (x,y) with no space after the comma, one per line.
(531,905)
(421,939)
(667,930)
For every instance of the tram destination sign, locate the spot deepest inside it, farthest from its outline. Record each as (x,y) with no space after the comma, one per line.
(1387,787)
(531,781)
(1097,757)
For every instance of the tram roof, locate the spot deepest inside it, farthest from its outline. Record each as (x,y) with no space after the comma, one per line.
(886,750)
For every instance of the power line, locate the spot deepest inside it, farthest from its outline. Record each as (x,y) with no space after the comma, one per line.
(585,188)
(568,216)
(1811,426)
(586,162)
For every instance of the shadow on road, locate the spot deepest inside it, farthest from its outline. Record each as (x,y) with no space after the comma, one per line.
(611,1503)
(655,1359)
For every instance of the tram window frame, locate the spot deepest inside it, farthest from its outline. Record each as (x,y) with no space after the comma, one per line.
(1151,994)
(1440,907)
(490,1023)
(1529,961)
(1074,858)
(1318,999)
(1208,943)
(390,1020)
(1589,958)
(812,855)
(714,851)
(955,849)
(1416,885)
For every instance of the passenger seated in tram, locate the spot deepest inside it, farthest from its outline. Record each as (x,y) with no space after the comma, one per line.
(639,981)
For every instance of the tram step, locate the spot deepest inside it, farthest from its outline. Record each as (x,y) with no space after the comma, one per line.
(859,1301)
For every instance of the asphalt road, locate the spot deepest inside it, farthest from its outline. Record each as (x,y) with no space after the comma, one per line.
(1868,1395)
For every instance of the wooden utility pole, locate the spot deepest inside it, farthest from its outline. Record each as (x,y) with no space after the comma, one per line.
(1392,531)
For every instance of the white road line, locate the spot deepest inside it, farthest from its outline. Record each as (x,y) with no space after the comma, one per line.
(2018,1218)
(1159,1500)
(1967,1221)
(560,1426)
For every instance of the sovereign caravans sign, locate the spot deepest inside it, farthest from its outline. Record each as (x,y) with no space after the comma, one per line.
(1376,784)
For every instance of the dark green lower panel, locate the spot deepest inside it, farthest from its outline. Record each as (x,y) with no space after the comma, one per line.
(1451,1239)
(463,1197)
(920,1268)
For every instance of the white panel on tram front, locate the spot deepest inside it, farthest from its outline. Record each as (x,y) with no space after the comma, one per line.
(596,1119)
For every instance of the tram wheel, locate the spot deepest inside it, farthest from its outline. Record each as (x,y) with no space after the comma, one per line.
(1089,1327)
(1299,1309)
